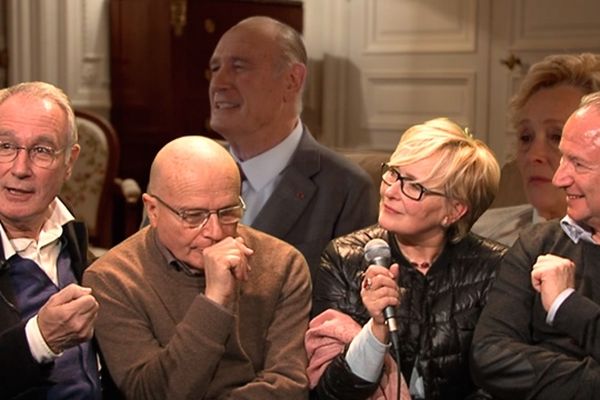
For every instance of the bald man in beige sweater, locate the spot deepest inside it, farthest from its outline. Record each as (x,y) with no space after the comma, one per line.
(197,306)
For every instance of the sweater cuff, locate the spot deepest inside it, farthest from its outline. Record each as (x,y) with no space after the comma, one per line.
(365,354)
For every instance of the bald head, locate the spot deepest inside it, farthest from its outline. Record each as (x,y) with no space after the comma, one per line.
(193,161)
(194,193)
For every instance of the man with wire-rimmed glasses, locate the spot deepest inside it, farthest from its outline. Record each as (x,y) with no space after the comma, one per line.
(46,317)
(197,305)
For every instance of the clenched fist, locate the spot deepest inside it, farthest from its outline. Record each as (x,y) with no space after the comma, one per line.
(67,318)
(550,276)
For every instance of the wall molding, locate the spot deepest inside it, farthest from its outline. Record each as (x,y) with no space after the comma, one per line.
(395,100)
(533,30)
(434,31)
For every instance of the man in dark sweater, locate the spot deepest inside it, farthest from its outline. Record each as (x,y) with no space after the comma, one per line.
(46,318)
(538,335)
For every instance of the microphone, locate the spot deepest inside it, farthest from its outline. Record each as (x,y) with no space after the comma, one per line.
(377,252)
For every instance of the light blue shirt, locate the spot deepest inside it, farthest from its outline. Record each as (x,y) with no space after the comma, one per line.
(365,357)
(576,233)
(365,354)
(263,173)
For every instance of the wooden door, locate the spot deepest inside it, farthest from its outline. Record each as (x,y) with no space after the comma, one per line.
(3,45)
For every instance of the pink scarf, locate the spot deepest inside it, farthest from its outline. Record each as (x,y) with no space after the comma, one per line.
(326,337)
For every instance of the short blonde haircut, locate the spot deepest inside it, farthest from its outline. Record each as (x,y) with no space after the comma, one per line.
(467,170)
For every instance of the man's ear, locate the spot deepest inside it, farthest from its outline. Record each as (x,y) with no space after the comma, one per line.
(150,208)
(296,76)
(73,156)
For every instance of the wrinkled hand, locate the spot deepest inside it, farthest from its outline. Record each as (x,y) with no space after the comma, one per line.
(67,318)
(225,263)
(379,290)
(550,276)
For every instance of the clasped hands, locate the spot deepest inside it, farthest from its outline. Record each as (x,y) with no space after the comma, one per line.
(379,290)
(550,276)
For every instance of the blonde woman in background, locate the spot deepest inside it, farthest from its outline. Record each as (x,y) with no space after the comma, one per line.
(549,93)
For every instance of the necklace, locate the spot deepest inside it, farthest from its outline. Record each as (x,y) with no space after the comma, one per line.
(422,266)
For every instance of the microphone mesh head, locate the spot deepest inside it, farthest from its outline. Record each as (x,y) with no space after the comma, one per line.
(377,249)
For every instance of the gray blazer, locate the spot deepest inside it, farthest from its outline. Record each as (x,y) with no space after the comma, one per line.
(321,195)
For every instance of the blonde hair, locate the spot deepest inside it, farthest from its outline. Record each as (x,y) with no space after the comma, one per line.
(579,70)
(467,170)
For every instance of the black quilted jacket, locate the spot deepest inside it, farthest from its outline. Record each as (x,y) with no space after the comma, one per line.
(436,318)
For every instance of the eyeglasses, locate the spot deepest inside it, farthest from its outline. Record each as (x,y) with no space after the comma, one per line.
(40,156)
(196,219)
(411,189)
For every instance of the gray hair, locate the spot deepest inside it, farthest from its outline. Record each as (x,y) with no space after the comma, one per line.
(579,70)
(45,90)
(291,46)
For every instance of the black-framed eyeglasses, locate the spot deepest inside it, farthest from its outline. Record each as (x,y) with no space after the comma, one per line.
(197,218)
(40,156)
(411,189)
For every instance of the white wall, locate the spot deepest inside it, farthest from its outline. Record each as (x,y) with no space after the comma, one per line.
(64,42)
(379,66)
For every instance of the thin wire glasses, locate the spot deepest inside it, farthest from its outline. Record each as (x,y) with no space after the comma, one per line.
(40,156)
(411,189)
(197,218)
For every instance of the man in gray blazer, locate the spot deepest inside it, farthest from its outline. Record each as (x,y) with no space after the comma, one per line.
(294,188)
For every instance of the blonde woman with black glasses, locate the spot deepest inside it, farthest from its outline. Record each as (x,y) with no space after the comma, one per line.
(436,184)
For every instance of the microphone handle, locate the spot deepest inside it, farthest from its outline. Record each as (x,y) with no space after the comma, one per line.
(392,323)
(389,313)
(390,318)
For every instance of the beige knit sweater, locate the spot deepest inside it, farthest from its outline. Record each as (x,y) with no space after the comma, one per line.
(162,339)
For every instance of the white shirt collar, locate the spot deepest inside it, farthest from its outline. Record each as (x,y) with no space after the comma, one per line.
(263,168)
(51,231)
